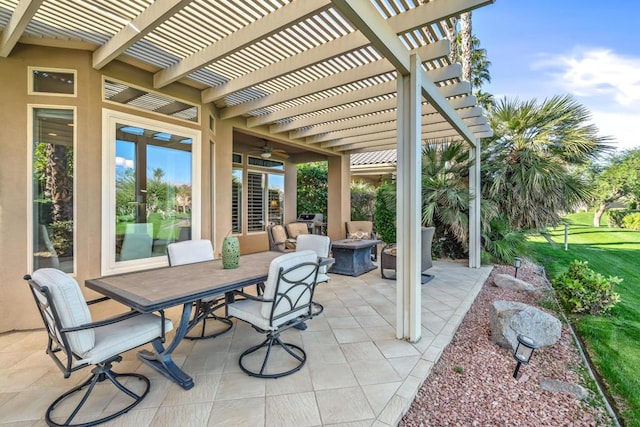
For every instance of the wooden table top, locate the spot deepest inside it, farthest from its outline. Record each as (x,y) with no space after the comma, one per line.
(160,288)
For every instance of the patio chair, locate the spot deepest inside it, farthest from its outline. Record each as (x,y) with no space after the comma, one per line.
(321,245)
(388,256)
(278,239)
(76,342)
(286,302)
(362,230)
(189,252)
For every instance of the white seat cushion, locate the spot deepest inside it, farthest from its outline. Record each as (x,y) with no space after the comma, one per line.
(119,337)
(251,311)
(71,305)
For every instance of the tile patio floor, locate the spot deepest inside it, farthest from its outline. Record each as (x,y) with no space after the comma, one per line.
(357,373)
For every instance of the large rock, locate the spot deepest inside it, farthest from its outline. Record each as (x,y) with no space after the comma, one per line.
(510,282)
(557,386)
(509,319)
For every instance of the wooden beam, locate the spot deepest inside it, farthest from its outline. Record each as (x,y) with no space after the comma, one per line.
(276,21)
(351,117)
(157,12)
(367,19)
(20,18)
(427,13)
(429,52)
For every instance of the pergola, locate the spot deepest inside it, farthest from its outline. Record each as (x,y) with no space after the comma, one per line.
(333,76)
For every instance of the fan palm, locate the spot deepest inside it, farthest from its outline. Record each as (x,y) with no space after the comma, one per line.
(528,162)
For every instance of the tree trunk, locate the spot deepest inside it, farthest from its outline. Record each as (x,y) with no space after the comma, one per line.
(452,36)
(466,45)
(59,186)
(598,215)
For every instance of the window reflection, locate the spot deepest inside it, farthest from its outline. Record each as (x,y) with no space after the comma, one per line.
(153,191)
(53,189)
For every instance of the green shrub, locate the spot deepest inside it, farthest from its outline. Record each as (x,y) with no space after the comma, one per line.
(616,216)
(385,212)
(582,290)
(362,198)
(632,221)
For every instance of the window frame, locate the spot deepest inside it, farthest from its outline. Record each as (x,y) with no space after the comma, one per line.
(31,90)
(109,120)
(30,137)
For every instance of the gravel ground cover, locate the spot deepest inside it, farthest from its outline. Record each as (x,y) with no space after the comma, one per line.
(472,384)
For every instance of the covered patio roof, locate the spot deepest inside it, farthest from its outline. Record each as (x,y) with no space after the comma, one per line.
(322,73)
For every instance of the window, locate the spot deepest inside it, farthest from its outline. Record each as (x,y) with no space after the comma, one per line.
(152,194)
(255,201)
(52,81)
(264,194)
(236,201)
(52,191)
(143,99)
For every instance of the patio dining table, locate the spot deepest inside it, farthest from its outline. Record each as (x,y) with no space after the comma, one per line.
(157,289)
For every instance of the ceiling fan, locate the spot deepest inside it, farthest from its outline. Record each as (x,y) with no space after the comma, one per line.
(266,152)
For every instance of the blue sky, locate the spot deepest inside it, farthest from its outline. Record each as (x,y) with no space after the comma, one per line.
(589,49)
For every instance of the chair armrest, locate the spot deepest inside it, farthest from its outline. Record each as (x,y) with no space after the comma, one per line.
(322,261)
(97,300)
(252,297)
(105,322)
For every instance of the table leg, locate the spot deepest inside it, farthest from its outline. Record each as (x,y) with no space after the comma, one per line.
(161,360)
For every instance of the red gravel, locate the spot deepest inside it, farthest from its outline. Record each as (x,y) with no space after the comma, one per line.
(472,384)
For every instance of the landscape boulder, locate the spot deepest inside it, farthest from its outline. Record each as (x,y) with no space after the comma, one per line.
(509,319)
(510,282)
(557,386)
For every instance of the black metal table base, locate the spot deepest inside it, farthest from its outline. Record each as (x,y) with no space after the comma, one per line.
(161,359)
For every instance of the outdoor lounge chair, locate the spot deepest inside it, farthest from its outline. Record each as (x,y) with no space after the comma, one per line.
(189,252)
(362,230)
(286,302)
(76,342)
(278,239)
(388,256)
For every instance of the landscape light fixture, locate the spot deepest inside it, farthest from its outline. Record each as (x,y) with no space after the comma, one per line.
(523,352)
(517,262)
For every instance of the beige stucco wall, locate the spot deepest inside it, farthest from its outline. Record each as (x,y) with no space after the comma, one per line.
(17,310)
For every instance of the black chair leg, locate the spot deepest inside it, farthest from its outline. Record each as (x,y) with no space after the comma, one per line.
(204,312)
(100,373)
(270,343)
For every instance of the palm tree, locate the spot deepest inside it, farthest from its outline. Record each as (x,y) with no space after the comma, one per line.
(445,195)
(528,165)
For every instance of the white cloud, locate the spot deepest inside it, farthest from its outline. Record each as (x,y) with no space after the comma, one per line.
(620,126)
(596,72)
(605,82)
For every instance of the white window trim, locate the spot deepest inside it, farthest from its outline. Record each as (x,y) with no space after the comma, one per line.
(109,120)
(31,91)
(30,110)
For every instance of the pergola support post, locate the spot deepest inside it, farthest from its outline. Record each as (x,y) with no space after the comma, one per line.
(408,208)
(474,207)
(339,196)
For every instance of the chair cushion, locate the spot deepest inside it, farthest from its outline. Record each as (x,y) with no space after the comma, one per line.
(119,337)
(71,305)
(279,234)
(285,262)
(296,229)
(359,229)
(251,311)
(189,252)
(321,245)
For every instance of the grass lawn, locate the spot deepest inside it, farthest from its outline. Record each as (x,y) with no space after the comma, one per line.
(613,341)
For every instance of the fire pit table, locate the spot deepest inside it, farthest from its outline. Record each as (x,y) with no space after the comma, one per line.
(353,256)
